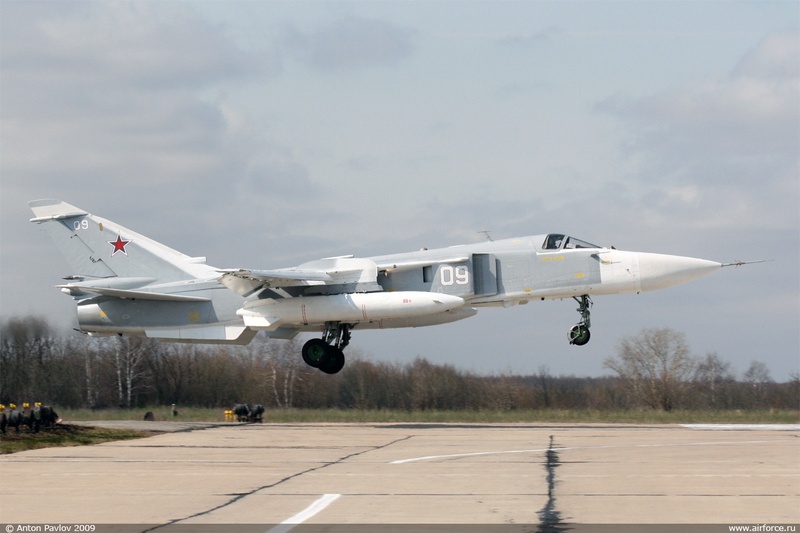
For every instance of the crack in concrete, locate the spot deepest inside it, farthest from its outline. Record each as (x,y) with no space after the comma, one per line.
(239,496)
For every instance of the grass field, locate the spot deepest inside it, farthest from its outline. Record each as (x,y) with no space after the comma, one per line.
(63,435)
(638,416)
(67,434)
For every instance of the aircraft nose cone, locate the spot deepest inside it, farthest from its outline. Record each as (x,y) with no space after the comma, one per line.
(658,271)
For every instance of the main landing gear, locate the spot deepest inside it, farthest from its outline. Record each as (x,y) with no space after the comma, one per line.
(327,353)
(579,333)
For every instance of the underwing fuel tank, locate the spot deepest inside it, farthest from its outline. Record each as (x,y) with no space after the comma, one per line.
(346,308)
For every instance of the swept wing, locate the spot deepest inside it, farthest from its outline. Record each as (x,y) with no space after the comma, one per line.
(344,273)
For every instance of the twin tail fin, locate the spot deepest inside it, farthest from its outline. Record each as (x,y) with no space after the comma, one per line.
(96,248)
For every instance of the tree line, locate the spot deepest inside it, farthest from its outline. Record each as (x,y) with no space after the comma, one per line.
(653,370)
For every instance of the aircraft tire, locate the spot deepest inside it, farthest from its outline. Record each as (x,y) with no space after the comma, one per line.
(315,352)
(333,362)
(579,335)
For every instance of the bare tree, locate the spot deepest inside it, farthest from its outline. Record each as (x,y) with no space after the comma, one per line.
(711,375)
(545,384)
(26,351)
(654,369)
(757,377)
(284,371)
(89,357)
(129,355)
(655,365)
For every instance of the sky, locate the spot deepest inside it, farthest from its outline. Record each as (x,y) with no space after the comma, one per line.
(266,134)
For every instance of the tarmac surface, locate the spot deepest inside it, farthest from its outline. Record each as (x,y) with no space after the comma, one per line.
(540,476)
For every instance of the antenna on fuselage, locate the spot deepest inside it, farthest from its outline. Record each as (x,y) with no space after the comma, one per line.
(488,236)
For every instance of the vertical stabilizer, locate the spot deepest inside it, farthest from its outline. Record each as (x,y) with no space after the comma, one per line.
(98,248)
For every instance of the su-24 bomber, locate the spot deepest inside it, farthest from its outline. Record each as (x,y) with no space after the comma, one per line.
(127,284)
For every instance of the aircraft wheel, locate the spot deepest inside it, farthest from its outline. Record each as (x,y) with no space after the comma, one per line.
(334,361)
(579,335)
(314,352)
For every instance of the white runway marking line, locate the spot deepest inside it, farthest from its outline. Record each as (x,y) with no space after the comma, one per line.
(313,509)
(565,448)
(744,427)
(473,454)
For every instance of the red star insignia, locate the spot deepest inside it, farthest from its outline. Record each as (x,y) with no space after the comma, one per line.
(119,245)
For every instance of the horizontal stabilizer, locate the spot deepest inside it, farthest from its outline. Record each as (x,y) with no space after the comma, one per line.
(129,294)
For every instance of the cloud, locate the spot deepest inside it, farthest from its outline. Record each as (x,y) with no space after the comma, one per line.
(775,57)
(121,46)
(722,151)
(528,40)
(752,111)
(122,95)
(350,43)
(124,109)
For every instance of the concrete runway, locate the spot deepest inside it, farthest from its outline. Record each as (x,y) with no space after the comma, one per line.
(530,474)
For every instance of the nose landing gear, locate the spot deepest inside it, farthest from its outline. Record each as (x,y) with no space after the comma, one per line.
(579,333)
(327,353)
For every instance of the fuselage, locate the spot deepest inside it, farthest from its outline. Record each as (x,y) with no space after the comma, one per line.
(128,284)
(511,271)
(493,273)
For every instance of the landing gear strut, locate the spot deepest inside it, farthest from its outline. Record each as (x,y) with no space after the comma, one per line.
(327,353)
(579,333)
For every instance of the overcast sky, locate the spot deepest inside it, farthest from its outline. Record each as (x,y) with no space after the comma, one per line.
(265,134)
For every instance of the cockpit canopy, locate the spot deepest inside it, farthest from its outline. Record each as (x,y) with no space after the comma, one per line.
(557,241)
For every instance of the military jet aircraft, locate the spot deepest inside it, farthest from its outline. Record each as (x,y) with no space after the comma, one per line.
(128,284)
